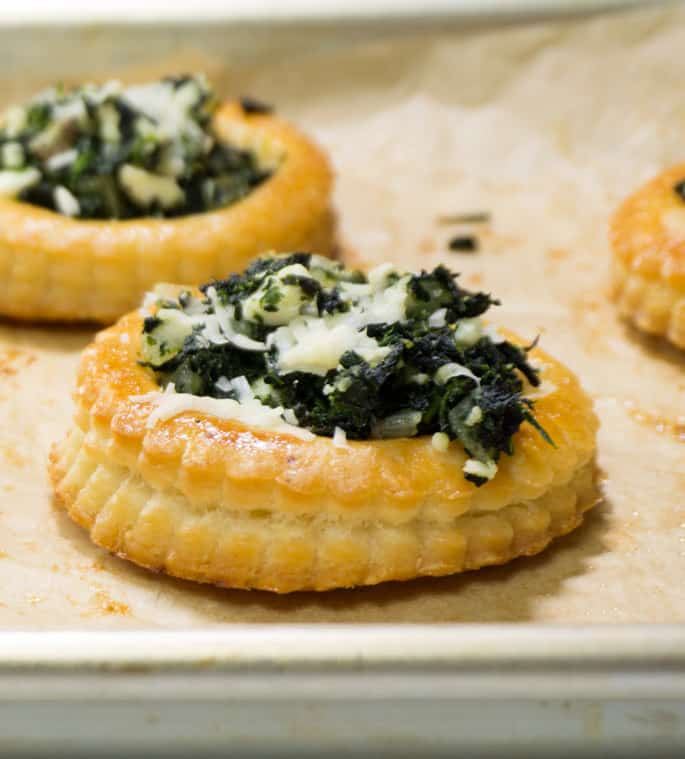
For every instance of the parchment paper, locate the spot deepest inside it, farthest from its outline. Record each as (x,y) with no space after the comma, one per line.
(544,127)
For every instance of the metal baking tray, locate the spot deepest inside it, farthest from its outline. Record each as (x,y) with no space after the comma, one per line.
(397,690)
(414,691)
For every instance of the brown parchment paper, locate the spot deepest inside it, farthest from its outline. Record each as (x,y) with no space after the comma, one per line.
(546,128)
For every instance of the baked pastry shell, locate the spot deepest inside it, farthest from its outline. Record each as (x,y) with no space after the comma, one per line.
(648,265)
(217,501)
(56,268)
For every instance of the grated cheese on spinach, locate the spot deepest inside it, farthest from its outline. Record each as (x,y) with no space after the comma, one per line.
(388,354)
(114,152)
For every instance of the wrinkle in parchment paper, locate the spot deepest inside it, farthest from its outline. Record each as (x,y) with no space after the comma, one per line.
(545,128)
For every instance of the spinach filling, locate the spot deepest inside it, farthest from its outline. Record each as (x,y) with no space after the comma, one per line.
(114,152)
(679,189)
(384,355)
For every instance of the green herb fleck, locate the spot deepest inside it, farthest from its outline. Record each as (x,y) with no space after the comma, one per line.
(252,105)
(463,244)
(680,189)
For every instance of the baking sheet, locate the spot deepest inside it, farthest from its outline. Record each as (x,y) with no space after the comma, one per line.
(544,127)
(83,12)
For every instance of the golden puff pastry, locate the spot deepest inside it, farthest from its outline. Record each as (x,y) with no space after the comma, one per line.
(91,256)
(648,266)
(222,488)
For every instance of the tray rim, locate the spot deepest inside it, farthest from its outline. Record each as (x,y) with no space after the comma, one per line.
(348,646)
(128,12)
(346,664)
(580,690)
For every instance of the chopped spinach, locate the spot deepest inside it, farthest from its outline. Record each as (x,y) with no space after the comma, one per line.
(680,189)
(463,244)
(114,152)
(338,349)
(474,217)
(252,105)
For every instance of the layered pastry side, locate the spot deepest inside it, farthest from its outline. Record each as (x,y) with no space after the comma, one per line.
(107,189)
(301,426)
(648,265)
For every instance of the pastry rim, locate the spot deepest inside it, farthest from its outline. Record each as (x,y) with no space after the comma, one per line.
(639,238)
(653,306)
(110,383)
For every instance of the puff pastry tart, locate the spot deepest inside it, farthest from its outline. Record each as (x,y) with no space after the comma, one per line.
(301,426)
(648,267)
(105,190)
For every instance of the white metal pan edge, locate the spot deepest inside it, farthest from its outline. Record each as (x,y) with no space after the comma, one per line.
(327,690)
(275,11)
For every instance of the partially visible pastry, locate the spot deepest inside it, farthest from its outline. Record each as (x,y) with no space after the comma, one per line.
(105,190)
(648,267)
(305,427)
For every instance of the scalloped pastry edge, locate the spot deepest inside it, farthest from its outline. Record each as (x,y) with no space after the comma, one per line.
(650,304)
(266,550)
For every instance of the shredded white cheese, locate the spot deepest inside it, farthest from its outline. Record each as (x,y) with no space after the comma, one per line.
(71,111)
(487,470)
(241,387)
(400,424)
(447,371)
(61,160)
(14,182)
(440,441)
(316,345)
(109,123)
(437,318)
(65,202)
(168,107)
(290,416)
(468,332)
(220,327)
(147,188)
(169,404)
(475,416)
(12,155)
(14,120)
(290,302)
(172,162)
(340,438)
(379,274)
(387,306)
(100,93)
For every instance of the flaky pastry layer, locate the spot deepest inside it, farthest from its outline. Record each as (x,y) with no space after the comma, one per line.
(648,267)
(650,304)
(213,500)
(56,268)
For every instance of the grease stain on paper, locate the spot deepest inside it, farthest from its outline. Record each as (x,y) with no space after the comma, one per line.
(103,603)
(674,427)
(13,360)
